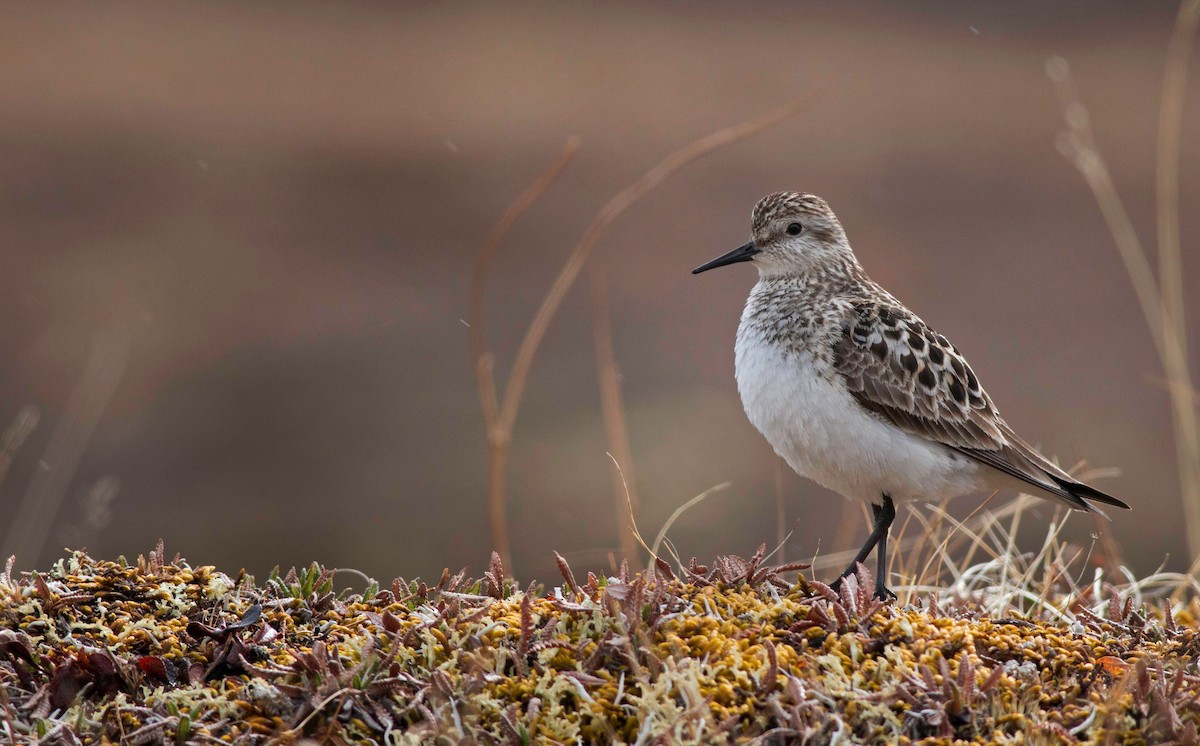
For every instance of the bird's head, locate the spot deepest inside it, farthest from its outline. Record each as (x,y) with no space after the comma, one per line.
(791,234)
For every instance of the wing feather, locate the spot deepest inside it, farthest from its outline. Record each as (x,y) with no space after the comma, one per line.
(905,373)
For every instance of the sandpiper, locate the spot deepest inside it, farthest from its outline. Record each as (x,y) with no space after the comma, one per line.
(855,392)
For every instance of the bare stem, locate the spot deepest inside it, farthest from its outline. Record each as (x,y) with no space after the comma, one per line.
(497,462)
(1161,298)
(511,402)
(612,408)
(501,414)
(34,517)
(484,362)
(483,263)
(1079,144)
(1170,132)
(1175,359)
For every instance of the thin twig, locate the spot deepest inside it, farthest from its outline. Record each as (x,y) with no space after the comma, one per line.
(483,361)
(1079,144)
(1170,133)
(633,527)
(511,402)
(1161,298)
(612,409)
(511,214)
(662,532)
(1170,268)
(30,528)
(503,412)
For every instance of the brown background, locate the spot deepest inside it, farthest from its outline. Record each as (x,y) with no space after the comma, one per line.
(281,203)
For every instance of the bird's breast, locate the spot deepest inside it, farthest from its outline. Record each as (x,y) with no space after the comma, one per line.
(789,397)
(792,396)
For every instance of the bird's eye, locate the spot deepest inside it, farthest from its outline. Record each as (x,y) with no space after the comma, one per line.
(794,229)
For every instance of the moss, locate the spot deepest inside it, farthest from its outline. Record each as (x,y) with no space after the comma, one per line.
(158,650)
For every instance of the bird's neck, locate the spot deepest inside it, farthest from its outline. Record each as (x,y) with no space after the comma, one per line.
(818,282)
(789,311)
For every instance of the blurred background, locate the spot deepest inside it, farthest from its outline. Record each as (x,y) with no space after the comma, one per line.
(236,241)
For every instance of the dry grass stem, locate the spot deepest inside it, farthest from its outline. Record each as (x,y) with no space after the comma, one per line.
(1161,298)
(612,408)
(1170,130)
(102,373)
(675,514)
(1170,133)
(624,199)
(736,650)
(633,527)
(501,413)
(484,362)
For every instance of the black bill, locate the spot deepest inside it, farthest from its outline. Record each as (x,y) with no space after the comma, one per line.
(743,253)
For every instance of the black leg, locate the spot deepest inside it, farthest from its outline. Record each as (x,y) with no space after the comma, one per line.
(884,514)
(887,514)
(863,553)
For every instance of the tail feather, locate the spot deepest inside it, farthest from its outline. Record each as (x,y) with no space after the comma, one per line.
(1044,467)
(1019,460)
(1087,492)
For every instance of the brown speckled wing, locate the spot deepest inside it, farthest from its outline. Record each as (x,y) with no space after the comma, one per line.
(902,371)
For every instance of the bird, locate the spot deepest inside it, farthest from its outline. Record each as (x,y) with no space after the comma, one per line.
(855,392)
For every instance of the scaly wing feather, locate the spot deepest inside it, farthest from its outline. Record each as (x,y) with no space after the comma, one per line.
(907,374)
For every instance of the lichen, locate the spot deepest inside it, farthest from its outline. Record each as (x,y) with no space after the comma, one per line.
(94,651)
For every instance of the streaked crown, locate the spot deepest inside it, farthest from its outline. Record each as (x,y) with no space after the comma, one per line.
(782,205)
(793,234)
(782,208)
(797,234)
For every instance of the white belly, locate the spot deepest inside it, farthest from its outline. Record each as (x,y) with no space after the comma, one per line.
(821,431)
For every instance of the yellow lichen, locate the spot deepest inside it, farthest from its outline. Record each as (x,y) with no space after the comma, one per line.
(151,645)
